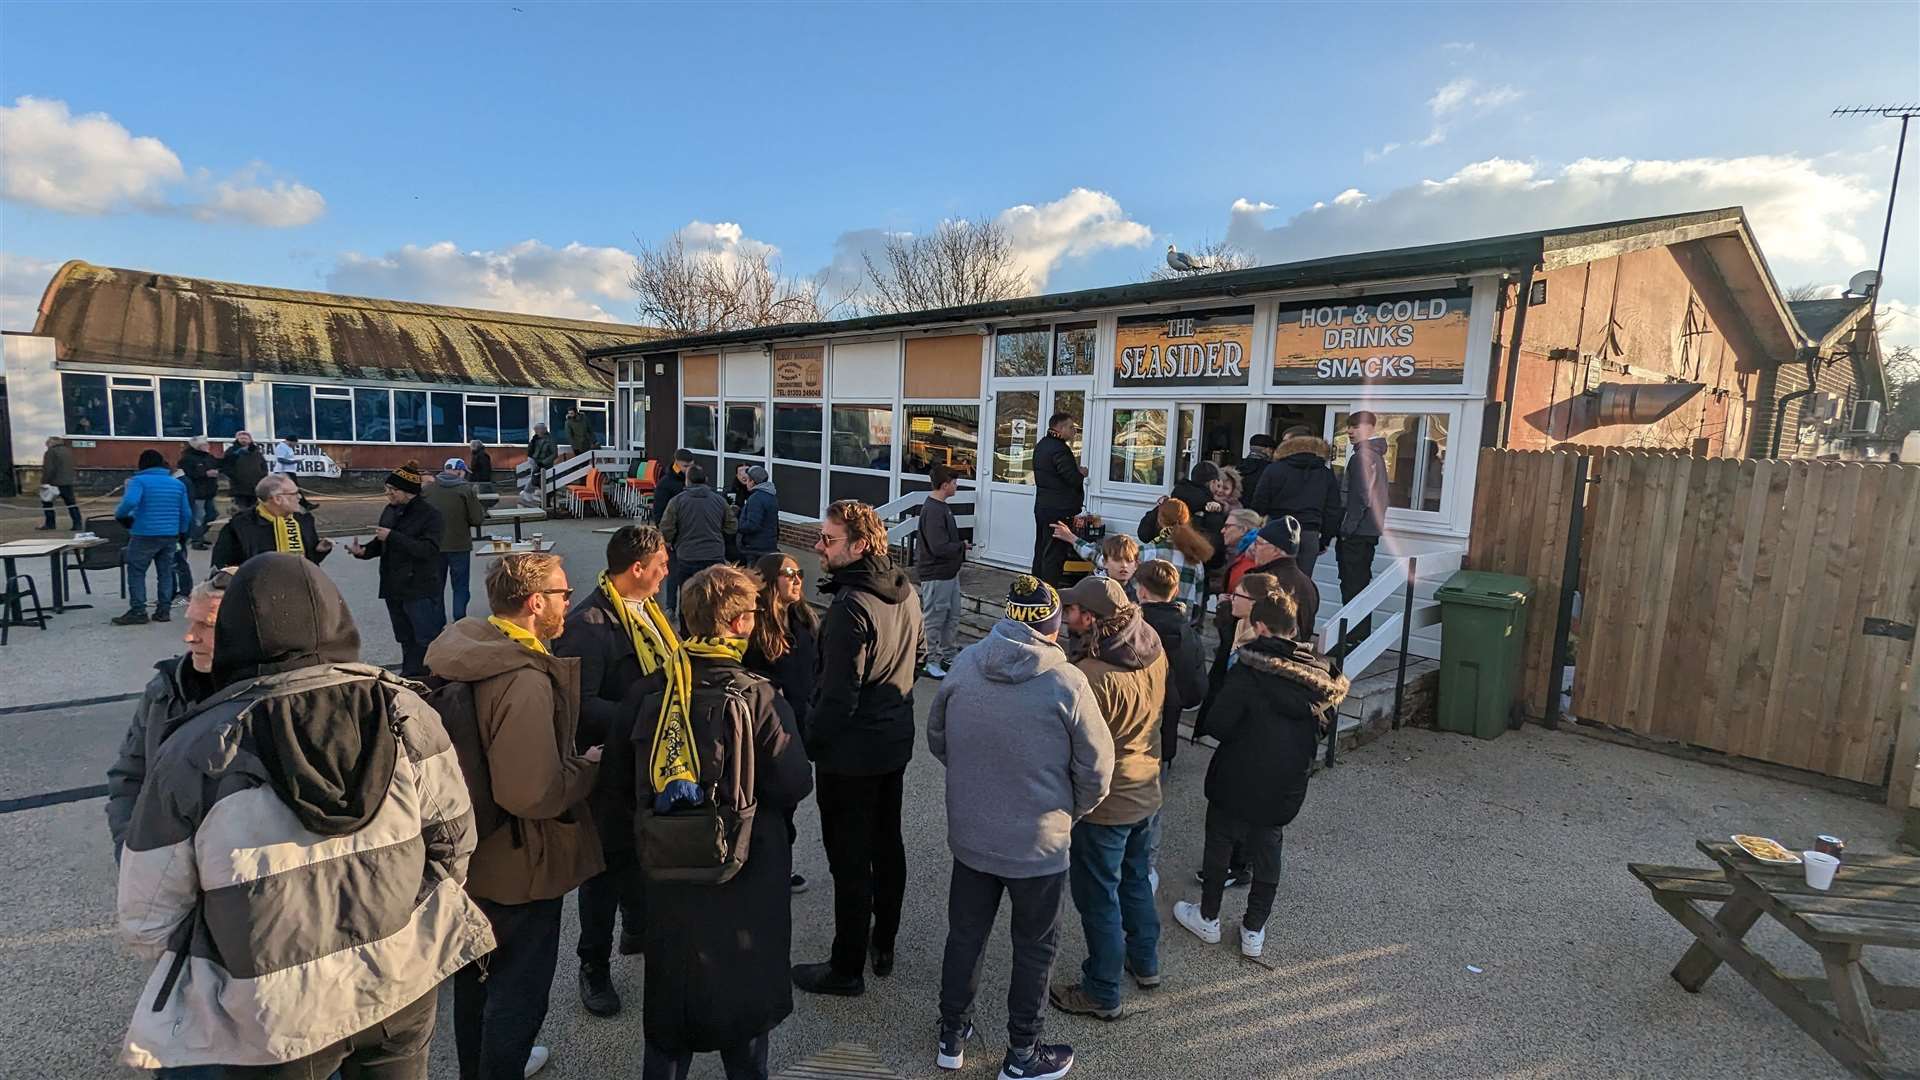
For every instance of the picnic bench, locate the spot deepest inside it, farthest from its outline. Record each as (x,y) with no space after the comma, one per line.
(1875,900)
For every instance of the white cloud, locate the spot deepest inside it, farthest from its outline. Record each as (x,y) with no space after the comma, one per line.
(1376,155)
(576,281)
(1899,324)
(22,282)
(1450,97)
(1079,223)
(93,165)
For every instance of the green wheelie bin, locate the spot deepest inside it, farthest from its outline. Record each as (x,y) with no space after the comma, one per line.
(1483,628)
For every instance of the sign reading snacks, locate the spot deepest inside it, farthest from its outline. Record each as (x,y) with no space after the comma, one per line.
(797,372)
(1402,338)
(1191,348)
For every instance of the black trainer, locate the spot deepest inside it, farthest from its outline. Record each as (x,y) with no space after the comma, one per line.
(596,990)
(882,961)
(820,979)
(953,1047)
(160,615)
(131,618)
(1234,877)
(1046,1061)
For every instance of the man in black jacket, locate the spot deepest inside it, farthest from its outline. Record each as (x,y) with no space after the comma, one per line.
(860,736)
(1275,552)
(275,523)
(1059,493)
(1300,483)
(1259,454)
(1157,582)
(938,553)
(407,543)
(671,482)
(201,472)
(1366,516)
(244,466)
(624,656)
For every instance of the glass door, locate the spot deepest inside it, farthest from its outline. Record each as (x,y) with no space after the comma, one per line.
(1186,442)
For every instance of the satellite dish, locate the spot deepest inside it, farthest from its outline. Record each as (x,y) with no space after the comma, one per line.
(1863,283)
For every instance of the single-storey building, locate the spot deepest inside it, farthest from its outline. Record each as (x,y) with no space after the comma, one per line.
(1842,419)
(1658,332)
(120,361)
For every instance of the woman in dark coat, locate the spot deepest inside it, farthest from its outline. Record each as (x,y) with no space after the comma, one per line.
(784,647)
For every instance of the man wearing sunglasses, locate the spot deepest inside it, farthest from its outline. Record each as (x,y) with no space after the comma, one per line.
(275,523)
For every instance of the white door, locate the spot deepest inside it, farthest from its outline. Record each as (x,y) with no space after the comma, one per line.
(1020,411)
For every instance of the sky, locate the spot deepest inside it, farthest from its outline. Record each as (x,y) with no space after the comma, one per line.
(513,155)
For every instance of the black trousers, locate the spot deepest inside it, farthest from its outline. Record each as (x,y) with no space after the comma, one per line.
(416,623)
(617,889)
(973,903)
(1261,843)
(393,1049)
(73,508)
(682,571)
(742,1061)
(1354,555)
(500,1000)
(1049,554)
(860,828)
(1309,550)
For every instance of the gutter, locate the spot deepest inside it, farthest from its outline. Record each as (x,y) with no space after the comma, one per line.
(1812,358)
(1522,300)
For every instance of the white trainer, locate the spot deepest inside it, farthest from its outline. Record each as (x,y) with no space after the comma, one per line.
(935,670)
(1252,941)
(1187,914)
(537,1059)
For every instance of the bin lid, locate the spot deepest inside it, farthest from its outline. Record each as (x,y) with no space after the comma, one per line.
(1482,588)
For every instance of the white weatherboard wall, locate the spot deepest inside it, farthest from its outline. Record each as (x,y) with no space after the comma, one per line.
(33,395)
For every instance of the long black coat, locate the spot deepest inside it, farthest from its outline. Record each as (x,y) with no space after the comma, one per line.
(795,673)
(410,555)
(671,483)
(1268,718)
(248,534)
(611,692)
(1057,482)
(718,955)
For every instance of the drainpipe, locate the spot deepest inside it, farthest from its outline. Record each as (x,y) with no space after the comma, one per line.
(1780,407)
(1522,300)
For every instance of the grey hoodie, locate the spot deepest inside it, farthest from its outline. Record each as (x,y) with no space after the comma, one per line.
(1026,752)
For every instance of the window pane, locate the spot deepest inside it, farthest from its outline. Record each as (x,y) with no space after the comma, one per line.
(1073,349)
(595,413)
(84,398)
(746,433)
(332,417)
(292,412)
(799,489)
(699,421)
(637,420)
(869,489)
(796,434)
(515,414)
(370,420)
(1016,428)
(133,412)
(483,423)
(1139,448)
(180,408)
(448,412)
(557,410)
(226,408)
(1020,352)
(942,435)
(1433,461)
(1416,451)
(410,416)
(1074,404)
(863,436)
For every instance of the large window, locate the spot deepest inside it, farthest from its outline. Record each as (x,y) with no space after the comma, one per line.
(863,436)
(180,408)
(1073,345)
(133,407)
(592,410)
(796,432)
(1019,353)
(370,420)
(700,421)
(942,435)
(1138,452)
(226,407)
(448,418)
(1016,428)
(332,414)
(516,420)
(746,430)
(410,417)
(483,418)
(1416,455)
(84,399)
(292,411)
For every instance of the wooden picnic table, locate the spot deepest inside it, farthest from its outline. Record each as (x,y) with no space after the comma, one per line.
(1875,900)
(56,551)
(527,548)
(515,514)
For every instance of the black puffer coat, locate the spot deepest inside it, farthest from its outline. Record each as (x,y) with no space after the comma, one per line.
(871,641)
(1300,483)
(410,555)
(1268,718)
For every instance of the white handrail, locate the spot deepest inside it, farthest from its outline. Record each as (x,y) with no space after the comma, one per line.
(1385,634)
(1364,603)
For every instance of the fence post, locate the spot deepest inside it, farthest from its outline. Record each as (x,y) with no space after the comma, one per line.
(1569,584)
(1406,634)
(1333,729)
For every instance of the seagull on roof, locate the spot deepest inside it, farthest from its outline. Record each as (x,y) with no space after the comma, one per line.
(1184,262)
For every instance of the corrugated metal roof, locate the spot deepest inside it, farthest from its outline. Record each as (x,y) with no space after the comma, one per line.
(104,314)
(1820,318)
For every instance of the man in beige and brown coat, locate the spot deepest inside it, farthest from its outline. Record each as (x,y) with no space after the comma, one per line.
(526,703)
(1110,875)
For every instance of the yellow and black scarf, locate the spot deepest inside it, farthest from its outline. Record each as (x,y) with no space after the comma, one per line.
(520,634)
(674,755)
(286,532)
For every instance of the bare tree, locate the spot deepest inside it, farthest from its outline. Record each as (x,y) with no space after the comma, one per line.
(702,292)
(1806,290)
(1218,255)
(960,262)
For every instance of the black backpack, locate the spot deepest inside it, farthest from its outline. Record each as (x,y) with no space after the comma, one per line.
(705,844)
(454,702)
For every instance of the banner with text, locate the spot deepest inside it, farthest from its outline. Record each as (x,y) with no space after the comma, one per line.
(1192,348)
(1399,339)
(797,371)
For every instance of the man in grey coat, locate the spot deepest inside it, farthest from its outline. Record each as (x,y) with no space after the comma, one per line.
(57,472)
(1366,514)
(696,526)
(1027,755)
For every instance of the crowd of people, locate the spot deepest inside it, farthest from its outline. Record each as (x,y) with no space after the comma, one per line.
(311,846)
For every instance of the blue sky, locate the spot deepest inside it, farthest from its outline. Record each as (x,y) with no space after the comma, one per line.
(475,153)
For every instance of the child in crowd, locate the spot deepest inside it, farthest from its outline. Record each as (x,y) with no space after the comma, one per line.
(1278,697)
(1119,556)
(1157,581)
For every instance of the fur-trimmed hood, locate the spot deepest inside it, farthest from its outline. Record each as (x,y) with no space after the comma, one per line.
(1296,663)
(1303,444)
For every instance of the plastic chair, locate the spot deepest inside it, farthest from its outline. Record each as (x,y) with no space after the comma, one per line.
(591,493)
(105,556)
(648,478)
(12,596)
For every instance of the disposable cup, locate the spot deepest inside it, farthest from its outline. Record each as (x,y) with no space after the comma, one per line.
(1820,867)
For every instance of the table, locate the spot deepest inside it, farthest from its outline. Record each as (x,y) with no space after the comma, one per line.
(538,545)
(1875,900)
(515,514)
(56,553)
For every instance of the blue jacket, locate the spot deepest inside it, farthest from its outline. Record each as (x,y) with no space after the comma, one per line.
(157,503)
(760,522)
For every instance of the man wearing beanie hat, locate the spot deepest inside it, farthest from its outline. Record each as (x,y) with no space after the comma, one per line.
(461,512)
(1277,552)
(407,543)
(1027,755)
(758,532)
(158,518)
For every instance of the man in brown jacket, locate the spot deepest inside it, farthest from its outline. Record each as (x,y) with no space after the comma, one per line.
(1111,857)
(526,702)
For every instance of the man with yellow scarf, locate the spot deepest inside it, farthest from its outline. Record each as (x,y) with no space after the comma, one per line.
(626,646)
(275,523)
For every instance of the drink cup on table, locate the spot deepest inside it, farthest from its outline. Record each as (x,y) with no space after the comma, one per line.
(1820,868)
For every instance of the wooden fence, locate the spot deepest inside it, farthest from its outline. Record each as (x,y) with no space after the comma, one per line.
(1760,608)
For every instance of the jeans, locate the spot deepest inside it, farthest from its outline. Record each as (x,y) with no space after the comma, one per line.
(860,828)
(1227,835)
(73,508)
(204,511)
(940,607)
(1110,887)
(973,903)
(182,571)
(682,572)
(617,889)
(456,568)
(393,1049)
(500,1000)
(742,1061)
(416,623)
(157,552)
(1354,554)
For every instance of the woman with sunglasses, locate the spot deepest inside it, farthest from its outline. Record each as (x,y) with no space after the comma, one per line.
(784,646)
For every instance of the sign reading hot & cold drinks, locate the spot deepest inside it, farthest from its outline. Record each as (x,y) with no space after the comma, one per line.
(1393,339)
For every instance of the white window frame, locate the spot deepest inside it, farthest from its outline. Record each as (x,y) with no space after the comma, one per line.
(1110,487)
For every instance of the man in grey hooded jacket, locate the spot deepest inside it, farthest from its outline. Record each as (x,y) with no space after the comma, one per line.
(1027,755)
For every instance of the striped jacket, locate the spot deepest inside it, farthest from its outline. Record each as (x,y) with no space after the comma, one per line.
(272,941)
